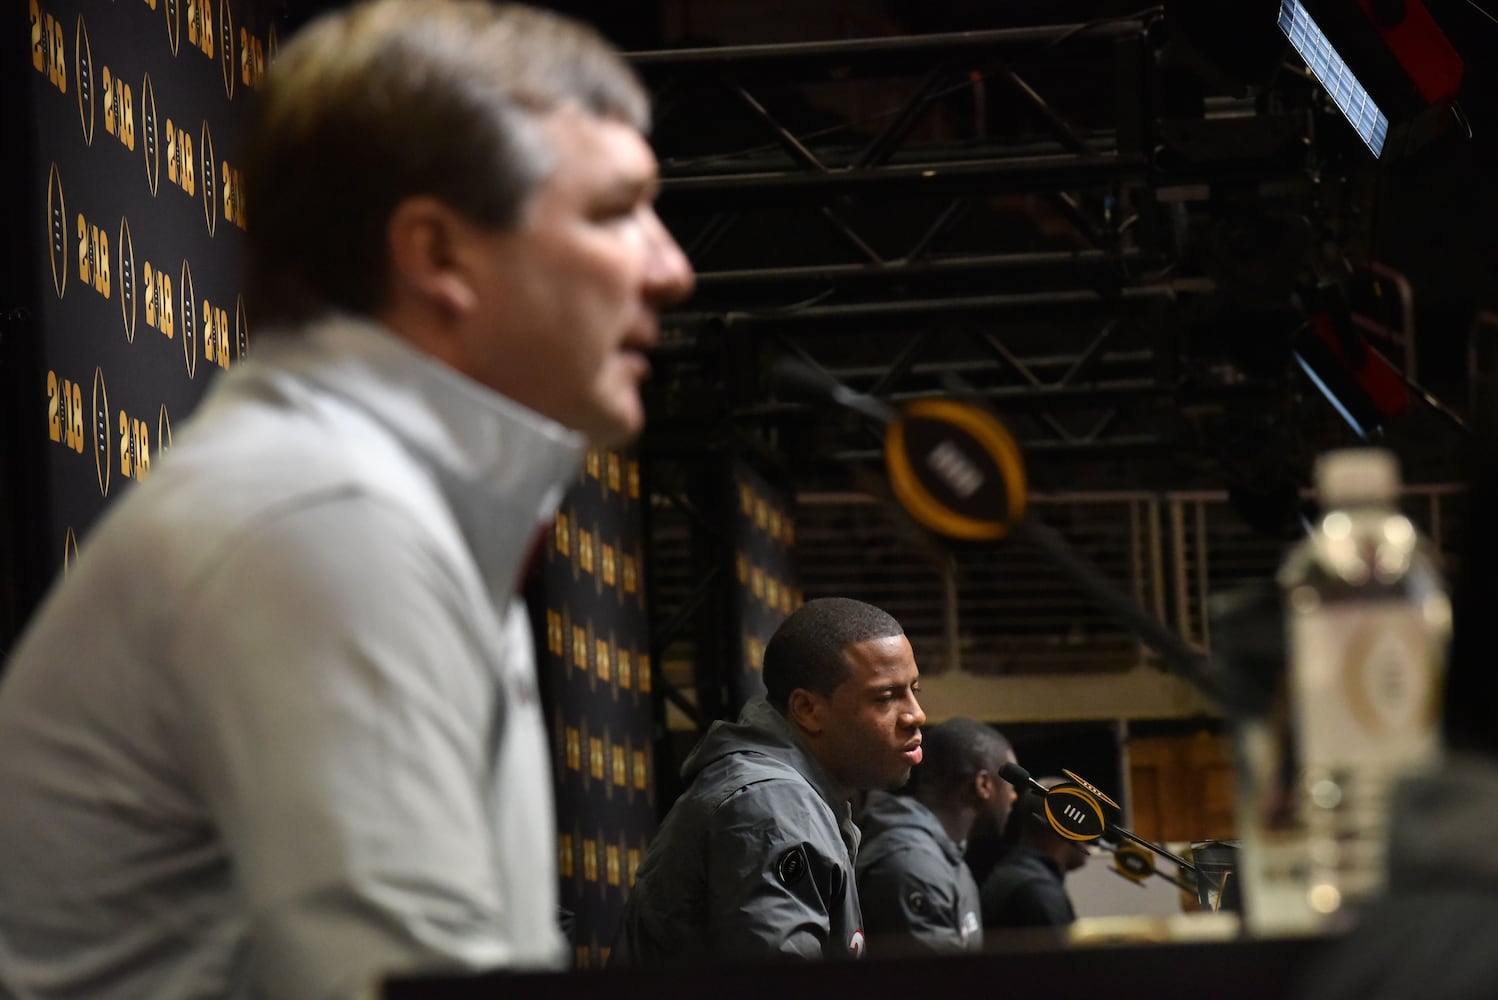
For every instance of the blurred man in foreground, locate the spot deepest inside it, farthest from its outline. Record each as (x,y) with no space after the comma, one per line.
(277,733)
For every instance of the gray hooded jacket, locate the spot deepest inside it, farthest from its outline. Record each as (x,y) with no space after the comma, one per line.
(912,880)
(754,861)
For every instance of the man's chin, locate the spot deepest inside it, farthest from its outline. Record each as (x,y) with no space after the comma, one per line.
(615,429)
(608,440)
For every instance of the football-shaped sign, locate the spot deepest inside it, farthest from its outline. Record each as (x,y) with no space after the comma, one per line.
(955,469)
(1074,813)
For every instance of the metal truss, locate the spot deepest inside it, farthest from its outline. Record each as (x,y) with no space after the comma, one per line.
(893,212)
(997,214)
(882,250)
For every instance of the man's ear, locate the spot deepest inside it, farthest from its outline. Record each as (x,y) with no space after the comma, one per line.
(805,710)
(426,240)
(984,786)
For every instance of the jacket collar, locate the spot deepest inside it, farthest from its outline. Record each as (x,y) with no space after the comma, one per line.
(503,468)
(762,729)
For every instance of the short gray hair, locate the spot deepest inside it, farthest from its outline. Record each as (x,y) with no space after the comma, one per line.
(373,104)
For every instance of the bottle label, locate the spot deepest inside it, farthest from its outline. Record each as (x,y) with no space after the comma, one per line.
(1365,687)
(1364,690)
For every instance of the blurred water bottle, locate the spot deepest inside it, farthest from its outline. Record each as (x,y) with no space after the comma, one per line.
(1367,620)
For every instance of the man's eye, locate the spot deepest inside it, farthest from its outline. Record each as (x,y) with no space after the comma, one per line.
(614,213)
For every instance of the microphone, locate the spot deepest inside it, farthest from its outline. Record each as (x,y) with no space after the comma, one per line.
(1076,811)
(1021,779)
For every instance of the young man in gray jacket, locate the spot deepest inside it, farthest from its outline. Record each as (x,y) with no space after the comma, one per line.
(755,860)
(916,890)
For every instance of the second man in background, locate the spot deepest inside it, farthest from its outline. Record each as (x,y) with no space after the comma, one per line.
(916,891)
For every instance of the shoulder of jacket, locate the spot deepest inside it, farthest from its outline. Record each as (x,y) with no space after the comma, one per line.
(769,786)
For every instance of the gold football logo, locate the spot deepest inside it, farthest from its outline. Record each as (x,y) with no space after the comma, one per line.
(163,431)
(189,322)
(83,75)
(102,457)
(210,200)
(57,243)
(126,256)
(241,330)
(226,46)
(152,148)
(69,551)
(173,24)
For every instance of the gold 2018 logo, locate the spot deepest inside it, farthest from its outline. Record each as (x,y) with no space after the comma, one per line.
(200,26)
(189,321)
(210,200)
(252,58)
(215,334)
(148,121)
(48,50)
(93,256)
(101,432)
(83,76)
(57,233)
(119,109)
(65,412)
(181,167)
(232,182)
(159,300)
(135,447)
(125,253)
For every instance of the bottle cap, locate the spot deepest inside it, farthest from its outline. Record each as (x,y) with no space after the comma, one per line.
(1356,475)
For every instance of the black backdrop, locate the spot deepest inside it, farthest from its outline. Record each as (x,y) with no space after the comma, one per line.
(124,295)
(764,536)
(120,299)
(588,601)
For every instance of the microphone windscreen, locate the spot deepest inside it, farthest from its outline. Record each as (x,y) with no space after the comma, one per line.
(1014,774)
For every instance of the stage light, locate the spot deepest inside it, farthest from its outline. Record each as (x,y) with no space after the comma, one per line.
(1385,63)
(1344,88)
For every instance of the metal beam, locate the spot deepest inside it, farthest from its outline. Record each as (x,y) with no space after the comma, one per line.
(875,53)
(924,308)
(1059,263)
(987,176)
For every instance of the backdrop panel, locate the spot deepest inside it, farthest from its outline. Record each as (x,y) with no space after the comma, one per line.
(596,672)
(763,536)
(135,225)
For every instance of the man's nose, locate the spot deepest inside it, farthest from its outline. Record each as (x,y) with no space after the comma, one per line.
(668,273)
